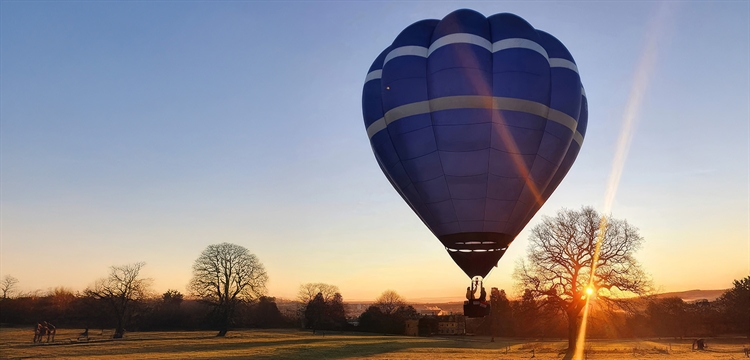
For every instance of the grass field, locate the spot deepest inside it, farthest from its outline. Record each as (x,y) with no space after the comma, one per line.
(294,344)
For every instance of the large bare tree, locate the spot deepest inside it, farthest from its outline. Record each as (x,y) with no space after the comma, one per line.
(225,275)
(119,290)
(562,253)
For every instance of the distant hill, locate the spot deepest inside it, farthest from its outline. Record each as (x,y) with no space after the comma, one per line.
(693,295)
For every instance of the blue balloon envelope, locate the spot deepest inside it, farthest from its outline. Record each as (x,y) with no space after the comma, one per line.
(475,121)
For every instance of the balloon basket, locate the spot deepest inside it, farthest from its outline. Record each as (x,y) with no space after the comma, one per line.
(476,308)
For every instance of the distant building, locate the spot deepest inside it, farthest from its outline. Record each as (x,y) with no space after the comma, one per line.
(452,325)
(412,327)
(432,311)
(436,325)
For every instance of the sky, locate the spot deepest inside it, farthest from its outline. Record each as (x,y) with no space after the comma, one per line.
(146,131)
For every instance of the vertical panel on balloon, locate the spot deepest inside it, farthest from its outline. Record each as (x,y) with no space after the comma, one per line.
(583,118)
(435,190)
(510,165)
(372,105)
(465,163)
(409,123)
(469,210)
(416,34)
(557,138)
(462,21)
(565,84)
(462,116)
(518,72)
(415,143)
(504,188)
(527,201)
(444,213)
(467,187)
(398,173)
(467,137)
(516,140)
(383,148)
(572,152)
(423,168)
(419,206)
(372,102)
(402,91)
(507,26)
(519,119)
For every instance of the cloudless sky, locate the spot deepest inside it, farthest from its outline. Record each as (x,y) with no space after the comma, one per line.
(145,131)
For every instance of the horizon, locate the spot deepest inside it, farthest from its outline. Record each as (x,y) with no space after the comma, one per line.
(147,131)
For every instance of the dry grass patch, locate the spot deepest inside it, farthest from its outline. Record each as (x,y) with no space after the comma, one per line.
(294,344)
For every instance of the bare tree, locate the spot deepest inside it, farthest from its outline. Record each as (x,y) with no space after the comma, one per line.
(119,290)
(225,275)
(562,254)
(8,285)
(389,301)
(307,292)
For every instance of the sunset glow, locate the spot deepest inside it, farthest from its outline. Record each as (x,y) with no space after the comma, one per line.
(138,131)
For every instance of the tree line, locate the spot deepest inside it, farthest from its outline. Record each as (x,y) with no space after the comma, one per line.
(576,260)
(227,290)
(526,316)
(650,316)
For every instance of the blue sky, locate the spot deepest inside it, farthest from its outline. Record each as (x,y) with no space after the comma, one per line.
(145,131)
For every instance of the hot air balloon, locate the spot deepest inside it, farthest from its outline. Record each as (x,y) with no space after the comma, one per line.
(475,121)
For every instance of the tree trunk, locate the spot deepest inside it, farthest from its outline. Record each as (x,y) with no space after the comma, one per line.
(224,322)
(572,335)
(120,330)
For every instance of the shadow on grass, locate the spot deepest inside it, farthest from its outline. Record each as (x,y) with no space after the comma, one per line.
(289,347)
(264,345)
(367,345)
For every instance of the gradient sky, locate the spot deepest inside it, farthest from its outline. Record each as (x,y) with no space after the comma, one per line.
(145,131)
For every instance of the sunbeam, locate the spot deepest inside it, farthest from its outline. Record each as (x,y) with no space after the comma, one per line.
(643,74)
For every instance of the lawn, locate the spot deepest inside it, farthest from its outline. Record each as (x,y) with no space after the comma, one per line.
(295,344)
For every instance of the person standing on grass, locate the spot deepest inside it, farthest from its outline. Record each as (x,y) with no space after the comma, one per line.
(39,332)
(51,330)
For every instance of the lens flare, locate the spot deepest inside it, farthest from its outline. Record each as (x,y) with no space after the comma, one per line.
(643,75)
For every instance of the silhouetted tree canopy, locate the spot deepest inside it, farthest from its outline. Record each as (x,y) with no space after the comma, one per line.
(265,314)
(308,291)
(172,297)
(387,315)
(527,315)
(225,275)
(501,314)
(735,305)
(119,290)
(322,314)
(562,253)
(667,316)
(377,321)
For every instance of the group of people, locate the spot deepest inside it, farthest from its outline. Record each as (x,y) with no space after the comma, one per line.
(471,291)
(44,328)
